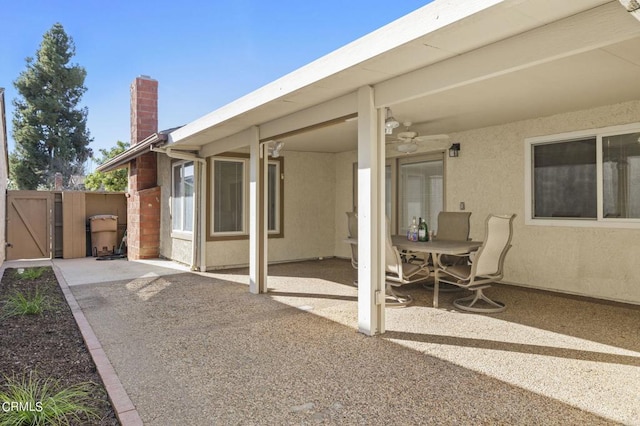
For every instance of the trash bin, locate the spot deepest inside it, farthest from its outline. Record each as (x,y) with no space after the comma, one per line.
(104,234)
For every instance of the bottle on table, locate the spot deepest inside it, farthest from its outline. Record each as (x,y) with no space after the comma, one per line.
(412,233)
(423,231)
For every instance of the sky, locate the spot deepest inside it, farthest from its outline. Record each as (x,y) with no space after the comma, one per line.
(204,54)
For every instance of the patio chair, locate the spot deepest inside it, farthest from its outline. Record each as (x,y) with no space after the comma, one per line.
(485,269)
(399,273)
(452,226)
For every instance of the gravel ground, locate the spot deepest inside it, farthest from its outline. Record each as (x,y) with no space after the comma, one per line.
(200,349)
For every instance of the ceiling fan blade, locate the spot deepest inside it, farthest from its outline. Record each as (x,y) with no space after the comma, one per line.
(432,137)
(407,135)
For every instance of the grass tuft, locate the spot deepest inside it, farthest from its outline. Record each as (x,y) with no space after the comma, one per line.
(25,304)
(30,273)
(30,400)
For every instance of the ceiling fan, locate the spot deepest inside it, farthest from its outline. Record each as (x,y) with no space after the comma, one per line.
(407,141)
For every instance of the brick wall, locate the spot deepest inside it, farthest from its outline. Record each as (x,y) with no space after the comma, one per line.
(143,206)
(144,224)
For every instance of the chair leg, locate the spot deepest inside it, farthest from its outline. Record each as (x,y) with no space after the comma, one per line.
(396,300)
(478,295)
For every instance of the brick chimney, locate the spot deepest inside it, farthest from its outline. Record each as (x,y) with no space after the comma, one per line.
(143,207)
(144,108)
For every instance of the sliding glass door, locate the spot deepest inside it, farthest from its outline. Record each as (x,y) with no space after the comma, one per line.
(414,187)
(420,190)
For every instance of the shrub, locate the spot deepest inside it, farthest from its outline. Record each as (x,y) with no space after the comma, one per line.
(30,273)
(29,304)
(30,400)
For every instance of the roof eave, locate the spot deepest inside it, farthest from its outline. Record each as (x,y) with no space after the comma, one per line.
(123,159)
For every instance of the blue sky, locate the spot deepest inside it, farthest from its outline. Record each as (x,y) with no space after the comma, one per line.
(204,54)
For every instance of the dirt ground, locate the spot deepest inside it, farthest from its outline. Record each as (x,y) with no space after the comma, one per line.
(49,343)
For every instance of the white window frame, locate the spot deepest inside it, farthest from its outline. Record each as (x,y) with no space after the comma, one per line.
(245,198)
(180,233)
(599,221)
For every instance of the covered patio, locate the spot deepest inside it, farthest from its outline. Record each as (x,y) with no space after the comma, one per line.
(500,79)
(491,77)
(189,346)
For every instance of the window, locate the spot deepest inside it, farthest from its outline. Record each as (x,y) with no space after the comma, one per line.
(229,196)
(182,197)
(565,179)
(228,218)
(621,176)
(584,178)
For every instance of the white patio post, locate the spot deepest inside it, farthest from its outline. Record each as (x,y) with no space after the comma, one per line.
(371,216)
(257,214)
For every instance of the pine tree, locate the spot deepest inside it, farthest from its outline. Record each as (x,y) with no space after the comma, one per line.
(48,126)
(115,180)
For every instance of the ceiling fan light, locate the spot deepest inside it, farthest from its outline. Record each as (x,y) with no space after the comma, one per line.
(407,147)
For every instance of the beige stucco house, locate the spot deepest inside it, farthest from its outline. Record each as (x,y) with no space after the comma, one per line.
(542,98)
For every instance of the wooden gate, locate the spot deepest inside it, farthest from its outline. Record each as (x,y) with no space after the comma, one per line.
(29,219)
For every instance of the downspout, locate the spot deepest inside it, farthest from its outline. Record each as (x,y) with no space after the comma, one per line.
(198,258)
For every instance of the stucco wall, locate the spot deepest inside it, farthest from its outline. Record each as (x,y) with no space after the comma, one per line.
(489,177)
(344,199)
(309,214)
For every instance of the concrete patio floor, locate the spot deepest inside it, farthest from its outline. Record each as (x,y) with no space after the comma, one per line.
(198,348)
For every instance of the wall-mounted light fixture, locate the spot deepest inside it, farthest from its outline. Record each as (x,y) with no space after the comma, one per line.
(390,123)
(274,150)
(454,150)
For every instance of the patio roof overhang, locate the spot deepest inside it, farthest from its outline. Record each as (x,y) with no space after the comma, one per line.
(441,64)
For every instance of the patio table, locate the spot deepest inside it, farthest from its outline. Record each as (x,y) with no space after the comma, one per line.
(436,249)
